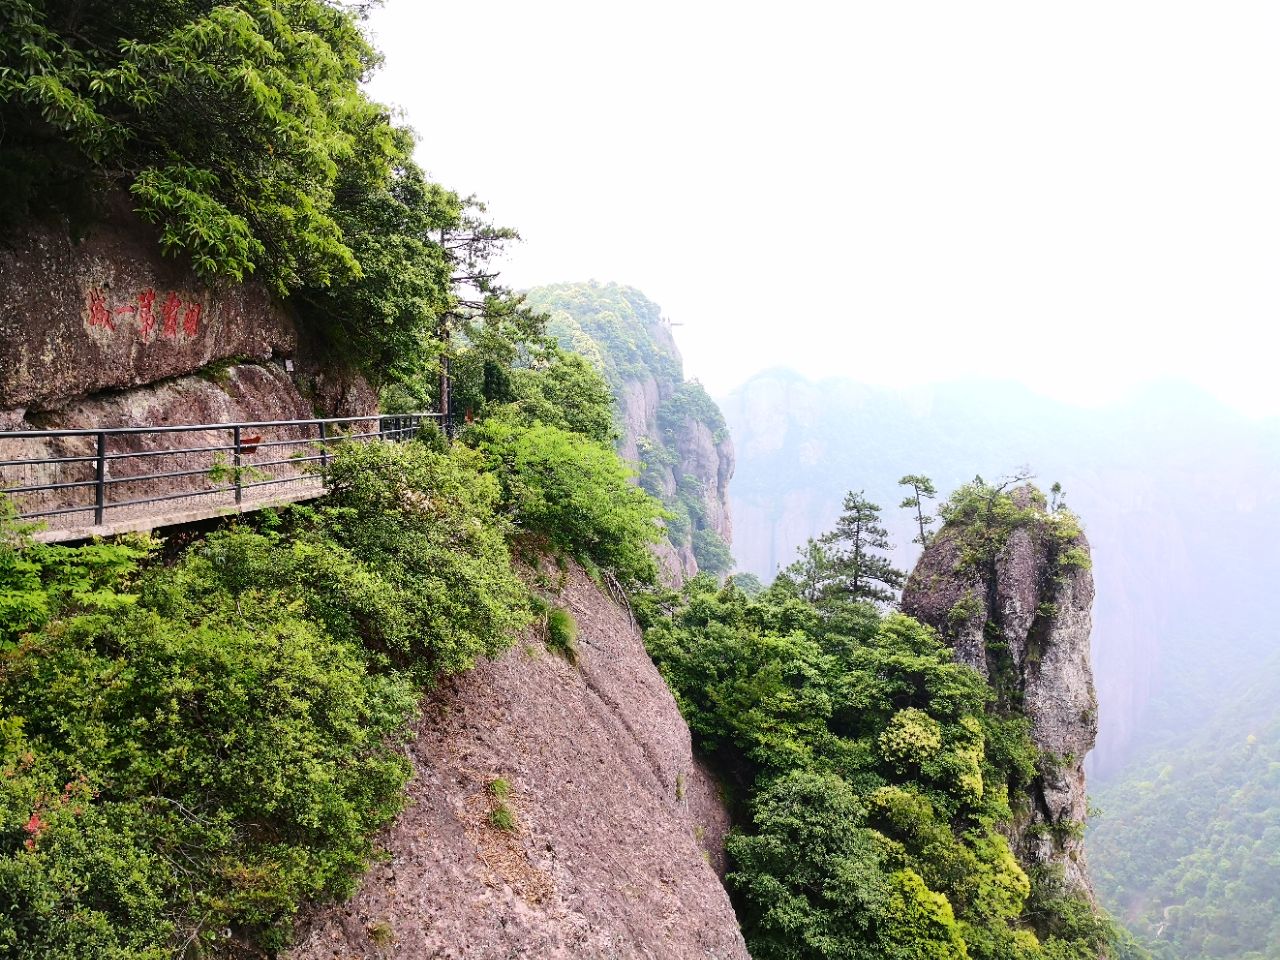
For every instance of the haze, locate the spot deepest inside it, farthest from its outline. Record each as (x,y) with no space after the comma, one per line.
(1079,197)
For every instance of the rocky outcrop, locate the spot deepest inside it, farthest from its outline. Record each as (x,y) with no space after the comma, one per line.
(1014,598)
(107,332)
(617,829)
(110,312)
(669,428)
(694,464)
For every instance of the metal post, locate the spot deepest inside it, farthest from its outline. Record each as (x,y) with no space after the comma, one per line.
(446,401)
(324,445)
(235,434)
(100,506)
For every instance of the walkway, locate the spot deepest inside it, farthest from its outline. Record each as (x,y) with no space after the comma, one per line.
(90,483)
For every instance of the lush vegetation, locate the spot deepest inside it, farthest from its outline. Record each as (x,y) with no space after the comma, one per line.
(193,746)
(196,747)
(622,333)
(1187,847)
(874,773)
(242,132)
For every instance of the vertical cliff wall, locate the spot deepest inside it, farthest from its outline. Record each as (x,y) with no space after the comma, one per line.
(669,427)
(1009,586)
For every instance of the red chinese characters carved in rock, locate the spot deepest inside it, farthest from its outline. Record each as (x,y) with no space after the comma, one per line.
(99,315)
(170,313)
(142,309)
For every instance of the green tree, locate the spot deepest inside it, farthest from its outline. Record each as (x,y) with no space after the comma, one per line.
(922,489)
(818,884)
(861,571)
(229,125)
(812,574)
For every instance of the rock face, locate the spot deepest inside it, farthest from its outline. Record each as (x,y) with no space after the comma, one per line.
(695,470)
(669,428)
(107,332)
(618,830)
(1022,619)
(110,313)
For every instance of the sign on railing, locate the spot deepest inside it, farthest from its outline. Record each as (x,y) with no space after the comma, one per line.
(74,477)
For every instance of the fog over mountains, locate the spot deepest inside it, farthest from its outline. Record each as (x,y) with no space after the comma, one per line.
(1175,491)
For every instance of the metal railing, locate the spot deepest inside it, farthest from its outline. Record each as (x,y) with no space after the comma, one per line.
(103,473)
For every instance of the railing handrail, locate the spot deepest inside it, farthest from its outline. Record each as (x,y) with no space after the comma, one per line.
(196,427)
(317,432)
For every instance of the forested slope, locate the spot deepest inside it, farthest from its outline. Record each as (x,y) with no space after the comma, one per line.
(669,428)
(1187,848)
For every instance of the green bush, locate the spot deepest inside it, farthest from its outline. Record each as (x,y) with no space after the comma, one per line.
(818,884)
(574,494)
(170,776)
(562,633)
(426,524)
(563,390)
(204,747)
(878,775)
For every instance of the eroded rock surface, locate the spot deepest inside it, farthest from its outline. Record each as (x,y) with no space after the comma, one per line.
(1022,619)
(619,830)
(110,312)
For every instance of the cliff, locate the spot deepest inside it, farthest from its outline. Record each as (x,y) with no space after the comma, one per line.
(1008,584)
(669,428)
(105,318)
(617,830)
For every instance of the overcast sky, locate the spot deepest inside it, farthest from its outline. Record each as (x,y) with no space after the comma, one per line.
(1077,195)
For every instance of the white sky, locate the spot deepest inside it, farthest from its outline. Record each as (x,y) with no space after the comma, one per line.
(1077,195)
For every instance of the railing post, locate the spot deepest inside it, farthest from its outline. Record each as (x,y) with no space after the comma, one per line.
(446,398)
(100,485)
(324,444)
(235,439)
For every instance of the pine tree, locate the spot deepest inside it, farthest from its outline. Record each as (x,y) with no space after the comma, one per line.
(922,489)
(814,571)
(859,540)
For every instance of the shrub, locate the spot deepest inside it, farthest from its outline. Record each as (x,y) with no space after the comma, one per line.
(564,390)
(502,817)
(425,523)
(179,775)
(574,493)
(819,884)
(562,633)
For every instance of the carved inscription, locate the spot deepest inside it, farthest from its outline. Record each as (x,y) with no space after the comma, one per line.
(175,314)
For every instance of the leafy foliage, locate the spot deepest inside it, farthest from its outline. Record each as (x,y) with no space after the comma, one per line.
(229,125)
(876,772)
(563,390)
(202,747)
(574,493)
